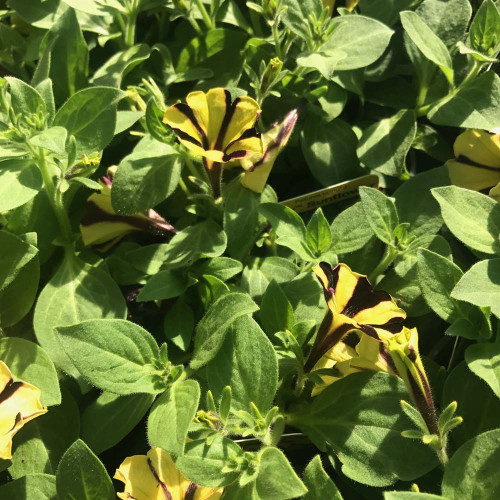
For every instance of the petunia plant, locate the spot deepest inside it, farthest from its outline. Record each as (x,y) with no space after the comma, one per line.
(249,250)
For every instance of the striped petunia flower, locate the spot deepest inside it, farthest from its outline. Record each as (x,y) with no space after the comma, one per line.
(19,403)
(258,166)
(213,126)
(353,305)
(103,227)
(155,477)
(477,161)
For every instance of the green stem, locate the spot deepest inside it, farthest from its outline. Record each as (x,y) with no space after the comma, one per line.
(277,43)
(195,25)
(455,345)
(442,456)
(204,14)
(389,255)
(55,198)
(130,24)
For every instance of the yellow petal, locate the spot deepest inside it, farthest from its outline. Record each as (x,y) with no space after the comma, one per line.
(479,146)
(495,192)
(472,177)
(240,117)
(19,403)
(180,118)
(351,4)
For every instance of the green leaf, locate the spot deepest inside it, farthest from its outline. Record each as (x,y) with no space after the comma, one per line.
(90,115)
(476,105)
(171,416)
(17,297)
(306,296)
(222,268)
(179,324)
(165,285)
(31,487)
(360,418)
(75,293)
(82,476)
(25,100)
(211,330)
(318,482)
(427,42)
(477,404)
(30,363)
(472,471)
(361,39)
(38,447)
(473,218)
(380,212)
(113,354)
(289,228)
(318,233)
(154,124)
(346,236)
(484,361)
(112,72)
(296,14)
(480,285)
(416,205)
(241,218)
(108,419)
(205,464)
(16,253)
(53,139)
(20,181)
(125,119)
(205,238)
(145,177)
(246,362)
(276,313)
(448,20)
(69,56)
(437,276)
(329,149)
(276,478)
(385,144)
(484,33)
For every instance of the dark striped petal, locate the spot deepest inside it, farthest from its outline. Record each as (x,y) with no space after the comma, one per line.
(102,226)
(19,403)
(356,298)
(471,176)
(478,147)
(273,141)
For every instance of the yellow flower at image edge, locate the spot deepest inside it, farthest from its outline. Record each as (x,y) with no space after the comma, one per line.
(19,403)
(214,127)
(155,477)
(477,163)
(353,306)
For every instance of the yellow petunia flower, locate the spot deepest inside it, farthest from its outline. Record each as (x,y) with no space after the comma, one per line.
(477,163)
(214,127)
(258,167)
(19,403)
(155,477)
(103,227)
(353,305)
